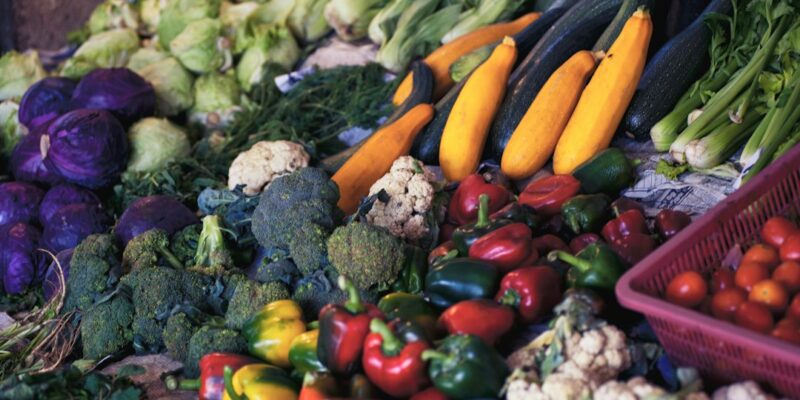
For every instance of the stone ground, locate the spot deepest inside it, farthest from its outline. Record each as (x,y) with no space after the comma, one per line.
(44,24)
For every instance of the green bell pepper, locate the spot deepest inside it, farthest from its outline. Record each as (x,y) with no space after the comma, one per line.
(464,367)
(412,276)
(460,279)
(596,266)
(409,307)
(303,352)
(586,213)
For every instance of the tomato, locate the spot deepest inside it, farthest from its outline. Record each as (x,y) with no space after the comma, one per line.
(687,289)
(762,253)
(749,274)
(771,294)
(794,308)
(725,303)
(721,279)
(776,230)
(788,273)
(754,316)
(787,333)
(548,194)
(790,249)
(788,322)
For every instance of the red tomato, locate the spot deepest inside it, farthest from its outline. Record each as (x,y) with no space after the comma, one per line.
(771,294)
(776,230)
(725,303)
(687,289)
(787,333)
(749,274)
(788,322)
(721,279)
(790,249)
(548,194)
(762,253)
(794,308)
(788,273)
(754,316)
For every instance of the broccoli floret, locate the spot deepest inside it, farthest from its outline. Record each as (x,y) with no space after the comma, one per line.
(195,287)
(249,297)
(106,327)
(149,249)
(308,248)
(304,184)
(213,256)
(265,270)
(94,269)
(184,244)
(177,333)
(319,289)
(366,254)
(208,340)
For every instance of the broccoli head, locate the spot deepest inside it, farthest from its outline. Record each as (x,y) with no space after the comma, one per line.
(213,256)
(183,244)
(265,270)
(177,333)
(149,249)
(249,297)
(303,184)
(319,289)
(210,339)
(106,327)
(308,248)
(94,269)
(367,255)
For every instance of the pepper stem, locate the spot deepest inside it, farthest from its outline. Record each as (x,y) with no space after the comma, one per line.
(174,383)
(353,303)
(483,211)
(577,262)
(227,374)
(510,298)
(312,325)
(429,355)
(391,344)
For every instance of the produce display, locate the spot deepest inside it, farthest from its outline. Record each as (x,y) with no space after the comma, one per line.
(223,185)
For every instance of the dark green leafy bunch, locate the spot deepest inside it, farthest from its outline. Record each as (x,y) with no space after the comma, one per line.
(94,271)
(70,382)
(209,339)
(106,326)
(236,209)
(149,249)
(369,256)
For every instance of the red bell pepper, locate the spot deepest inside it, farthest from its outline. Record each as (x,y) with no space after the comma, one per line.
(629,237)
(505,248)
(483,318)
(548,194)
(211,384)
(342,329)
(393,366)
(627,223)
(670,222)
(463,207)
(533,291)
(580,242)
(430,393)
(440,251)
(623,204)
(546,243)
(633,248)
(319,386)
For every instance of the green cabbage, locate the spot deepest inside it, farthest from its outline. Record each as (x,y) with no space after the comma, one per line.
(172,84)
(103,50)
(18,71)
(112,14)
(261,19)
(199,47)
(11,131)
(274,45)
(144,57)
(216,100)
(149,14)
(154,142)
(307,20)
(178,14)
(351,18)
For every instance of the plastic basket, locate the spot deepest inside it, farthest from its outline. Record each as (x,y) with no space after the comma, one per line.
(720,349)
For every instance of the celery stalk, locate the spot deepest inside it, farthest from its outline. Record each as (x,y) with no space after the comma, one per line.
(752,144)
(487,12)
(794,138)
(719,145)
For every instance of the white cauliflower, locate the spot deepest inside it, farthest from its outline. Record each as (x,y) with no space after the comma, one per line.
(409,187)
(748,390)
(265,161)
(635,389)
(557,386)
(602,352)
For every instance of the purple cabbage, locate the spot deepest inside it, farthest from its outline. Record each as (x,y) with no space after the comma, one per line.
(119,90)
(51,284)
(62,195)
(86,147)
(45,101)
(72,223)
(19,202)
(20,260)
(150,212)
(26,159)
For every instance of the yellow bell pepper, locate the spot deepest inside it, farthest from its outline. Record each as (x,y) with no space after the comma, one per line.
(259,382)
(270,331)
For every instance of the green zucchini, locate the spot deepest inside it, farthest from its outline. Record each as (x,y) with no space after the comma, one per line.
(421,92)
(627,9)
(608,172)
(578,29)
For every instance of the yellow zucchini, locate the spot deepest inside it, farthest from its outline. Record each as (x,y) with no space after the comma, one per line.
(375,157)
(467,126)
(534,139)
(442,58)
(605,99)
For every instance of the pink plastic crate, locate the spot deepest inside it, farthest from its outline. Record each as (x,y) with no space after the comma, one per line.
(720,349)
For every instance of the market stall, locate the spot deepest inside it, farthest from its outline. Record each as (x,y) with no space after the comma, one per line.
(413,199)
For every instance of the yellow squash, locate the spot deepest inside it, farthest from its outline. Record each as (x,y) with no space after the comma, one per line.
(534,139)
(442,58)
(606,97)
(465,132)
(375,157)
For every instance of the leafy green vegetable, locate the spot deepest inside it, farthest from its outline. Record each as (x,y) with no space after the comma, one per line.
(670,171)
(70,383)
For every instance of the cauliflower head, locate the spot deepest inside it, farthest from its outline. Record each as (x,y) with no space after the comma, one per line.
(637,388)
(739,391)
(602,352)
(409,187)
(265,161)
(557,386)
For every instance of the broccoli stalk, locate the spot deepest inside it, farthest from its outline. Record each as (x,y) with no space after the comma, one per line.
(212,254)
